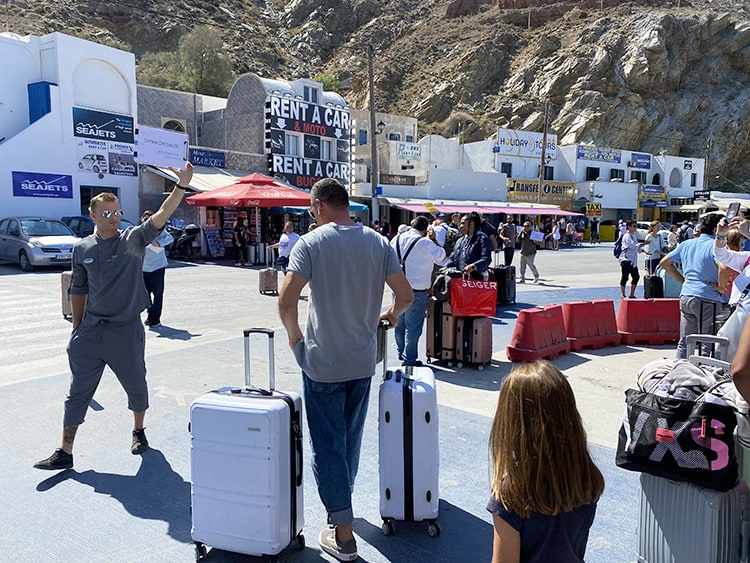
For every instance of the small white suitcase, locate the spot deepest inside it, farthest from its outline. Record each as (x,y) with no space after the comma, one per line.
(246,467)
(682,523)
(409,451)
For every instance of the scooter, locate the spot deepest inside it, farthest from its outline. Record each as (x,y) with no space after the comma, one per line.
(185,244)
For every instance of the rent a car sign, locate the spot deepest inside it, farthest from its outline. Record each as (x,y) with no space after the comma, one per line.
(307,141)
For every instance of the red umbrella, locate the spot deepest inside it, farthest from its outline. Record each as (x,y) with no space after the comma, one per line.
(254,190)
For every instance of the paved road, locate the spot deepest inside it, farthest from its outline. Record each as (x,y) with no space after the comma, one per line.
(115,506)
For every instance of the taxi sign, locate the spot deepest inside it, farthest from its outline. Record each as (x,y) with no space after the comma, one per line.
(593,210)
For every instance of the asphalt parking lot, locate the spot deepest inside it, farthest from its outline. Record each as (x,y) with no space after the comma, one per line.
(114,506)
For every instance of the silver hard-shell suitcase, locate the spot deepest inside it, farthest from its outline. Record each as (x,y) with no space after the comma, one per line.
(409,451)
(683,523)
(246,466)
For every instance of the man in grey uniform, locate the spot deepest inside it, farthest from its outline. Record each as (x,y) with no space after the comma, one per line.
(347,267)
(107,297)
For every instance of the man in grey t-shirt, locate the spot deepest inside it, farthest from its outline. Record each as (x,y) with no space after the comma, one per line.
(107,296)
(346,267)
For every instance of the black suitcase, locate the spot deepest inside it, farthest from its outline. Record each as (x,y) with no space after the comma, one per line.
(653,287)
(505,277)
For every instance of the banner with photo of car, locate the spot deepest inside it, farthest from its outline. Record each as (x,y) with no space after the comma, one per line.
(106,157)
(36,184)
(121,159)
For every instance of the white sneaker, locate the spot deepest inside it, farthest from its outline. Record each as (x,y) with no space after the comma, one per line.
(346,551)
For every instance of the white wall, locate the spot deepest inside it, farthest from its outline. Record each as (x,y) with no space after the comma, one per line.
(86,75)
(465,185)
(19,66)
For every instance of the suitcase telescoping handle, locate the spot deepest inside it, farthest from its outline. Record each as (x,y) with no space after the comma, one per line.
(383,327)
(271,367)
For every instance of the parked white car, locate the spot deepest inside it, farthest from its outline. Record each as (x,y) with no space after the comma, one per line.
(36,241)
(642,231)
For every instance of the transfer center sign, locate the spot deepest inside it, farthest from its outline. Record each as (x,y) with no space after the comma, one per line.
(527,191)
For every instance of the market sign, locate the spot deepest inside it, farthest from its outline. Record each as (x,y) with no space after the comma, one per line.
(203,157)
(593,210)
(306,142)
(556,193)
(36,184)
(91,124)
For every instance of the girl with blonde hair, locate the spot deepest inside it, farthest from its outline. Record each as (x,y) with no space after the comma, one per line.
(545,485)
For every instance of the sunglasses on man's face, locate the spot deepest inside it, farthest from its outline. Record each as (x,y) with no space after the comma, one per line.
(107,214)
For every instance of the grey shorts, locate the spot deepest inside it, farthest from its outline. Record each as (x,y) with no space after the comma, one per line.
(91,348)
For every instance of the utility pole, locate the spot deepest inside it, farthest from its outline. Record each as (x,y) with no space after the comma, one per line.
(374,172)
(706,171)
(544,152)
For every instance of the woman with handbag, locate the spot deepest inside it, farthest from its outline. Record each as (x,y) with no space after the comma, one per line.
(545,485)
(739,302)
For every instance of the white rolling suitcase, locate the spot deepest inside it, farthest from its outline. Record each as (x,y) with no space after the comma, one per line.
(682,523)
(409,452)
(246,466)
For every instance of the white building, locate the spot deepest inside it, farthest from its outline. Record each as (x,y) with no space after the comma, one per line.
(67,115)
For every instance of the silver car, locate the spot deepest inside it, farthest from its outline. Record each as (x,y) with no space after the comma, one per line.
(36,241)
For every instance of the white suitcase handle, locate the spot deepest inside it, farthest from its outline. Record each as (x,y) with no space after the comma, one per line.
(271,367)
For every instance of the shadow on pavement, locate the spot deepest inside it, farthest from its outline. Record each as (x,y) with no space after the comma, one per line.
(165,331)
(155,492)
(463,537)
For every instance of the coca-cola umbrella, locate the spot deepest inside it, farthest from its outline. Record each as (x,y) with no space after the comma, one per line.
(254,190)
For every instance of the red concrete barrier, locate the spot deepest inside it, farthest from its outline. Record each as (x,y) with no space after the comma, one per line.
(539,333)
(591,324)
(649,321)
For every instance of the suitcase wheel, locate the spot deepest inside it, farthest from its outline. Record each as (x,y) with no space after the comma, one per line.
(200,551)
(299,542)
(388,528)
(480,367)
(433,529)
(459,365)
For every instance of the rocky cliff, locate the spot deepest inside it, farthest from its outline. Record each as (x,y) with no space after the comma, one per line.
(645,75)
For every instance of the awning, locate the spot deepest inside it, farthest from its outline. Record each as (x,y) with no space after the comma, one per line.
(486,207)
(687,208)
(253,190)
(204,178)
(293,210)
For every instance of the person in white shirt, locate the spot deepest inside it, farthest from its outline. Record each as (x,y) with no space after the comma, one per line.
(418,251)
(154,267)
(441,231)
(287,241)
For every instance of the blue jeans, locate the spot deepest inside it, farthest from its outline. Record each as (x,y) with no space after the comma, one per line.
(409,328)
(336,415)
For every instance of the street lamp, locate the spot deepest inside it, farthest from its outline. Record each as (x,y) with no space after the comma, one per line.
(374,172)
(736,185)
